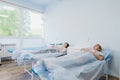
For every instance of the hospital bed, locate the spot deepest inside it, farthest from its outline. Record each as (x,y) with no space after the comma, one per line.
(27,56)
(38,57)
(91,71)
(15,52)
(28,53)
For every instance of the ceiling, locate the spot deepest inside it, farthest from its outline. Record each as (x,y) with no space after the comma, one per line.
(38,5)
(42,2)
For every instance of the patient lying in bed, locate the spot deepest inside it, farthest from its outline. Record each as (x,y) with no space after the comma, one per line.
(96,51)
(83,57)
(54,49)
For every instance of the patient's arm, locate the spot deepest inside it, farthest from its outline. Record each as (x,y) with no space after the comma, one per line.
(99,57)
(85,49)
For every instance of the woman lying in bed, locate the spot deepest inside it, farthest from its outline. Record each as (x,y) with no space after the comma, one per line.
(22,54)
(96,51)
(54,49)
(63,48)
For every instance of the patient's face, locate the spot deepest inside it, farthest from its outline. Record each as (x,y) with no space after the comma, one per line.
(65,44)
(96,47)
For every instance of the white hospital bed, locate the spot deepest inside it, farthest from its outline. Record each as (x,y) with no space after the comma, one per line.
(28,53)
(97,68)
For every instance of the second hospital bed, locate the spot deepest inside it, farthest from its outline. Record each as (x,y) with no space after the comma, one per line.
(34,54)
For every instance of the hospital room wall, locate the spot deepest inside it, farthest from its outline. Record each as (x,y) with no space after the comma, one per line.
(86,20)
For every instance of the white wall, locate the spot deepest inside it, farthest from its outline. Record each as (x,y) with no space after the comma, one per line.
(77,20)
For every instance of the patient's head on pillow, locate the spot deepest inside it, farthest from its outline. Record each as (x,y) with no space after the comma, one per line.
(97,47)
(66,45)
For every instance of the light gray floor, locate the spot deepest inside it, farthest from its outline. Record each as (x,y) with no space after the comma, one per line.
(10,71)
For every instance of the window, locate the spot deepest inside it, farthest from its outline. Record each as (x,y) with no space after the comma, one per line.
(33,23)
(9,20)
(10,24)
